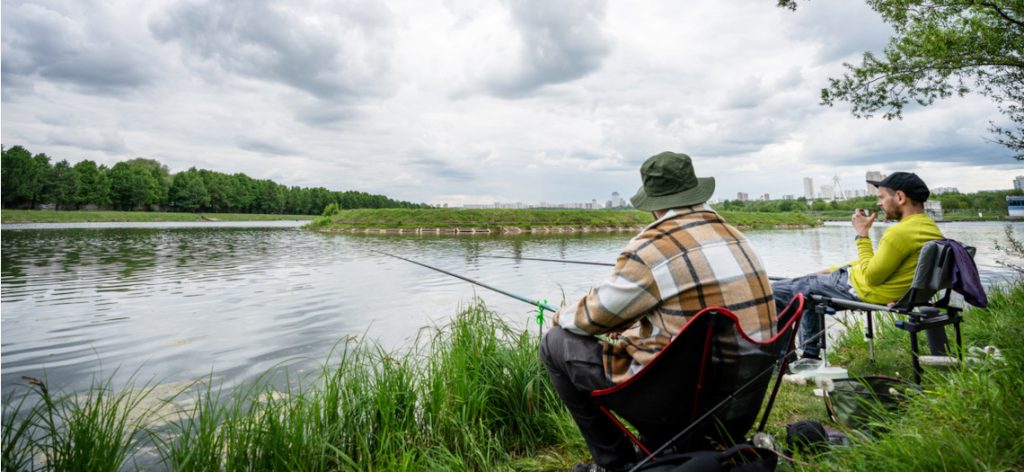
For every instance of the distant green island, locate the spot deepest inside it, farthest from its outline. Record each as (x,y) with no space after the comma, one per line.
(448,221)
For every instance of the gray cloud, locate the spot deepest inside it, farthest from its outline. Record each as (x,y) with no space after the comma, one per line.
(966,152)
(71,43)
(337,56)
(109,141)
(326,114)
(441,169)
(265,146)
(841,29)
(561,42)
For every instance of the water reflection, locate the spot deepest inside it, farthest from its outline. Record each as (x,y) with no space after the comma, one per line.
(180,303)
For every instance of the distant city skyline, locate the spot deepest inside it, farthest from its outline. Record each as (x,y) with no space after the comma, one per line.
(824,192)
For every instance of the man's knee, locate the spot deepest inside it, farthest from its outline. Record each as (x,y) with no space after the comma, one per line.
(552,338)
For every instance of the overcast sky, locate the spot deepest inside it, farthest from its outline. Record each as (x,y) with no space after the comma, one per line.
(473,101)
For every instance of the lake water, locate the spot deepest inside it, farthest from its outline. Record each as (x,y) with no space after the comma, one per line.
(177,302)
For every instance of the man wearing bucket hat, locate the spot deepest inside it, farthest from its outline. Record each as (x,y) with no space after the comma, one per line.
(879,276)
(688,259)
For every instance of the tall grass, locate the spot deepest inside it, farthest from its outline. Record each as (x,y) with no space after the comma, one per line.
(472,395)
(94,430)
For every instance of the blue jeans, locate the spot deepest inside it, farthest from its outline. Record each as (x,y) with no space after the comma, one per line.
(834,285)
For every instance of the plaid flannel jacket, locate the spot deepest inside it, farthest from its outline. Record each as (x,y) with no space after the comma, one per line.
(685,261)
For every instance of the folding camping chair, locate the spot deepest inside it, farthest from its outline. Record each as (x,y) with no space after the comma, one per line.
(705,387)
(924,310)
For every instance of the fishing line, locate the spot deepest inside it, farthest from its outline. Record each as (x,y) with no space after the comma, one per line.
(568,261)
(538,303)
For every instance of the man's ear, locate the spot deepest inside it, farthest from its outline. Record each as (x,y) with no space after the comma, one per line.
(901,197)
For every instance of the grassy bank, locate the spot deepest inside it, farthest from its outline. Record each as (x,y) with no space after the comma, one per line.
(968,419)
(50,216)
(471,396)
(526,219)
(474,396)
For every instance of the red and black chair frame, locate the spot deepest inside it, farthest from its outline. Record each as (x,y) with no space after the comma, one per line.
(669,409)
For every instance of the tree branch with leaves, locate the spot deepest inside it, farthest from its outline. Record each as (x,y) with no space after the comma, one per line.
(941,48)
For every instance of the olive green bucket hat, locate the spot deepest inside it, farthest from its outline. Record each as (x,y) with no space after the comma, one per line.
(669,182)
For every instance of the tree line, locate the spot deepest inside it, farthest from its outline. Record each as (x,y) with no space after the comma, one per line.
(30,181)
(987,201)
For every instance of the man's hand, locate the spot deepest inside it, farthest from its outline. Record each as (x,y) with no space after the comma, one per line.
(862,222)
(824,271)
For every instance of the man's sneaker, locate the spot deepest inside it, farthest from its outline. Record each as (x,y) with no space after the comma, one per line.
(803,365)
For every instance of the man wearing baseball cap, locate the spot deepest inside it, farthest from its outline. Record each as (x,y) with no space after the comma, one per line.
(880,276)
(688,259)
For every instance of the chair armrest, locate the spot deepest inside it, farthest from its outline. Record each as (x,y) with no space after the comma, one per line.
(925,311)
(852,305)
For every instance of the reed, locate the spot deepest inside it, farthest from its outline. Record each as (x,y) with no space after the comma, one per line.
(471,396)
(93,430)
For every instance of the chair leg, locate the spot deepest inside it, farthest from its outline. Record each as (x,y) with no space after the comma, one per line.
(914,357)
(871,337)
(959,344)
(819,311)
(937,340)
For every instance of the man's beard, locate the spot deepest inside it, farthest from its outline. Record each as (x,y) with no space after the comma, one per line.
(896,215)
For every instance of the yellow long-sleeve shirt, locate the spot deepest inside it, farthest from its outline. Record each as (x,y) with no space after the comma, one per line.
(882,276)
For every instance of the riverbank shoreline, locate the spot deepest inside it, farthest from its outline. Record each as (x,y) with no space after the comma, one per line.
(82,216)
(524,221)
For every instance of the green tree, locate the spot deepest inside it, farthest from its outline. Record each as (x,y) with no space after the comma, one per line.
(63,185)
(133,186)
(159,172)
(93,184)
(37,180)
(270,197)
(16,169)
(220,189)
(941,48)
(244,190)
(188,192)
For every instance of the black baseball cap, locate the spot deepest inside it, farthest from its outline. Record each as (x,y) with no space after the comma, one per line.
(908,182)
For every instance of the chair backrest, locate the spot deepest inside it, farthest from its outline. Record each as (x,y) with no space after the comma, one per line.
(934,273)
(705,363)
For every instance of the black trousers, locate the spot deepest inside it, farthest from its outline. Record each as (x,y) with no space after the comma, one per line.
(575,367)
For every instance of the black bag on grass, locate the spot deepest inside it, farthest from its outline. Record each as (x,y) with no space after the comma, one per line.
(857,404)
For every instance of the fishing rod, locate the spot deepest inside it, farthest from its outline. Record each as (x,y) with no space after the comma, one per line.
(781,362)
(536,303)
(568,261)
